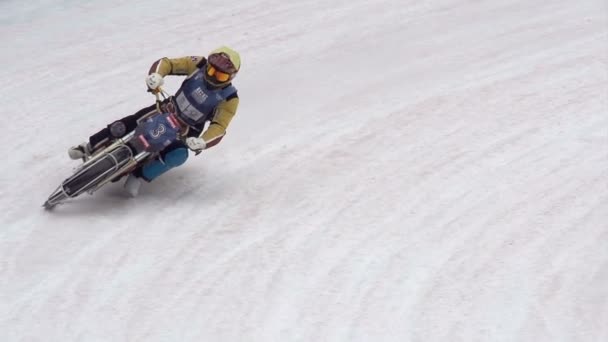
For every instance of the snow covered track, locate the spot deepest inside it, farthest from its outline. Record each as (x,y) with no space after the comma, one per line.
(397,171)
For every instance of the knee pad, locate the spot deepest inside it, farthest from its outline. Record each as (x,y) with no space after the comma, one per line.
(170,160)
(176,157)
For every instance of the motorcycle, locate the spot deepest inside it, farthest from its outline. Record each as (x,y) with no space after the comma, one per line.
(127,153)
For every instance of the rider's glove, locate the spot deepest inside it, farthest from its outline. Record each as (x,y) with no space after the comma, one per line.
(154,81)
(195,144)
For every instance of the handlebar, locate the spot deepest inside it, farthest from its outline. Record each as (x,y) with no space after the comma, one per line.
(164,94)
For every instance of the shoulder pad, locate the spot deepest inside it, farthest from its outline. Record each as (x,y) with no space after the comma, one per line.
(201,63)
(228,91)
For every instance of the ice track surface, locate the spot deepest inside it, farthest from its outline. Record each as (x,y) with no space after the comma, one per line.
(397,171)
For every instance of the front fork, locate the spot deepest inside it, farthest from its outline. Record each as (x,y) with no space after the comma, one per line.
(128,167)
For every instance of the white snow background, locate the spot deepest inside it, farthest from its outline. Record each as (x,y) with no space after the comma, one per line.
(397,171)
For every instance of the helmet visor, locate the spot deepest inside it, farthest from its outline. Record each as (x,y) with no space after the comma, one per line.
(218,75)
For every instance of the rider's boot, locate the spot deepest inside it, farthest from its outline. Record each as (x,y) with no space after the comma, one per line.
(82,151)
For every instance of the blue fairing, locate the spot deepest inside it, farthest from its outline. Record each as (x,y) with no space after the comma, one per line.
(159,131)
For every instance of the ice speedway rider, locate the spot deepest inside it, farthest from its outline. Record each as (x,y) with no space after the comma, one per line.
(206,95)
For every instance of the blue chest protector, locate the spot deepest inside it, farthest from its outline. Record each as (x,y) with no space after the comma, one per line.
(196,103)
(196,100)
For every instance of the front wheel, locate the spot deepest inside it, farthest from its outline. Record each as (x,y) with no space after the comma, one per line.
(91,175)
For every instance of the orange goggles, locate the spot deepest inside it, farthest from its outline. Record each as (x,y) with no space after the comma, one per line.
(219,75)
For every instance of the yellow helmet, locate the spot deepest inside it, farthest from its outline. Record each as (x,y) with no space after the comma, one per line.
(222,66)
